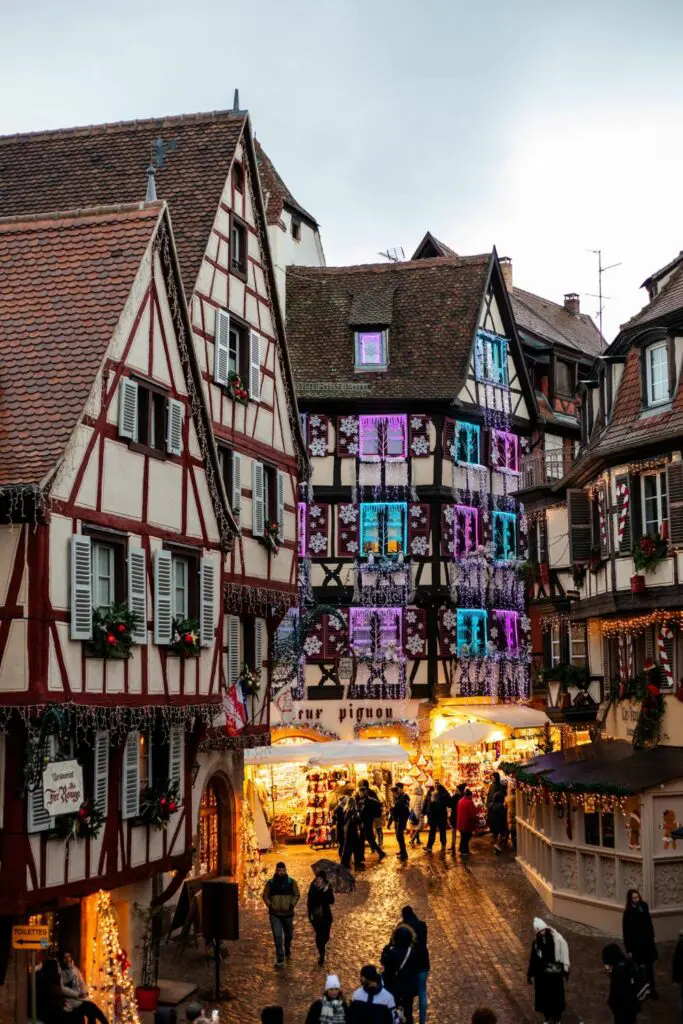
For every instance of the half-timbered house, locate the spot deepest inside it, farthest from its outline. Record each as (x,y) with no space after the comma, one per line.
(113,544)
(413,395)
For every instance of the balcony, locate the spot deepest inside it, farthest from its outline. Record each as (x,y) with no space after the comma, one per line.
(543,469)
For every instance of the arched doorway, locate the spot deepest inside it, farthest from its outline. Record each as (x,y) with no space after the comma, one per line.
(217,846)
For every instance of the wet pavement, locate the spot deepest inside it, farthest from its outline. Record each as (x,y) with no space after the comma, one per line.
(480,930)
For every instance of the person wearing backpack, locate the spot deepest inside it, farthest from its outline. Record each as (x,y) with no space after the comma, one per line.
(623,995)
(281,895)
(639,937)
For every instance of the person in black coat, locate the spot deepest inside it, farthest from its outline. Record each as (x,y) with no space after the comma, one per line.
(320,900)
(423,964)
(353,836)
(400,960)
(339,825)
(497,820)
(677,969)
(437,816)
(548,976)
(400,812)
(369,808)
(622,999)
(639,936)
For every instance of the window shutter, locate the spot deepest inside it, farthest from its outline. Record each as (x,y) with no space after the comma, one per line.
(137,592)
(649,644)
(579,512)
(419,522)
(38,818)
(260,648)
(207,602)
(221,347)
(130,783)
(543,554)
(547,649)
(174,433)
(163,592)
(258,512)
(128,409)
(674,481)
(176,753)
(81,587)
(606,665)
(449,438)
(101,773)
(236,496)
(234,652)
(624,497)
(254,366)
(348,520)
(281,504)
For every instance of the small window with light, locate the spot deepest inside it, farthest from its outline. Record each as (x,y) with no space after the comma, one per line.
(372,350)
(504,536)
(657,373)
(467,444)
(383,528)
(472,631)
(491,358)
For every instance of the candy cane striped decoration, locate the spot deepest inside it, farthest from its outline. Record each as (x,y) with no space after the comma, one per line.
(624,493)
(665,633)
(602,513)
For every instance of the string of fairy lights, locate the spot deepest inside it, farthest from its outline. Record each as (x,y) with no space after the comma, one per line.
(116,989)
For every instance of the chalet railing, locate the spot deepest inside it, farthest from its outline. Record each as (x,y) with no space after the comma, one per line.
(544,468)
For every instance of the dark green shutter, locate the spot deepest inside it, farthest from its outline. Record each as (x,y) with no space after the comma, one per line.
(674,488)
(579,513)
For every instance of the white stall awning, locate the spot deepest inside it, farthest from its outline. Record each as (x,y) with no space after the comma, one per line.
(468,734)
(334,752)
(516,716)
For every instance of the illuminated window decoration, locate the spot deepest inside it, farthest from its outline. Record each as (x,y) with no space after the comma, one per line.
(471,631)
(507,625)
(464,529)
(491,358)
(375,633)
(383,528)
(301,527)
(504,535)
(372,350)
(383,438)
(505,451)
(467,444)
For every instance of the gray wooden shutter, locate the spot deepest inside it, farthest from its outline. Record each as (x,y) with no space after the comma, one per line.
(258,518)
(38,819)
(174,431)
(221,347)
(207,602)
(674,488)
(176,756)
(260,649)
(130,782)
(281,504)
(579,514)
(163,597)
(128,409)
(101,772)
(624,544)
(254,366)
(137,592)
(81,587)
(649,643)
(236,496)
(234,648)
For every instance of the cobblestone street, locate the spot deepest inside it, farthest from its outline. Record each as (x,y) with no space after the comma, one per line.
(480,926)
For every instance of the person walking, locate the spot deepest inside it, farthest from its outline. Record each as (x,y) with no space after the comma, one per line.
(419,928)
(319,902)
(416,813)
(332,1008)
(400,812)
(511,808)
(339,824)
(677,971)
(495,787)
(371,1003)
(639,937)
(369,808)
(281,895)
(548,973)
(466,821)
(455,800)
(623,994)
(353,836)
(400,960)
(497,821)
(437,816)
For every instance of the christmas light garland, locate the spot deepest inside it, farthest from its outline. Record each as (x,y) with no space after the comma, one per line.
(117,990)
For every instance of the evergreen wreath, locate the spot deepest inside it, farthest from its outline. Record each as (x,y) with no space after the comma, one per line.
(159,803)
(237,390)
(84,824)
(112,631)
(271,536)
(185,638)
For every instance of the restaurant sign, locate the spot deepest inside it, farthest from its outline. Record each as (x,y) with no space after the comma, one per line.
(62,788)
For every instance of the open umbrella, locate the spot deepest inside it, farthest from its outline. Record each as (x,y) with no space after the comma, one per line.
(338,876)
(468,734)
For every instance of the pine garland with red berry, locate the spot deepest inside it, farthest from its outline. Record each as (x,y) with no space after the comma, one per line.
(158,803)
(112,631)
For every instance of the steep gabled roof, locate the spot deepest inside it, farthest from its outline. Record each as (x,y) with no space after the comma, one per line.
(431,308)
(552,322)
(65,280)
(74,168)
(667,303)
(430,246)
(276,193)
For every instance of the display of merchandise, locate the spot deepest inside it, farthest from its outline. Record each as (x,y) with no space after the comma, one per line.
(322,787)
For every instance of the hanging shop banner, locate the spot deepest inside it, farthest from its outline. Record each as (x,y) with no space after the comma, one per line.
(340,718)
(62,788)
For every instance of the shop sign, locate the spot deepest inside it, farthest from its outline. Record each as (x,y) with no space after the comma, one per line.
(62,787)
(342,716)
(30,936)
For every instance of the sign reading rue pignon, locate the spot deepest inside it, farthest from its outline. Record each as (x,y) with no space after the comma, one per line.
(62,787)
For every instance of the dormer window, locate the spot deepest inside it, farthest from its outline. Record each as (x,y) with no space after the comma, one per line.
(657,373)
(372,351)
(491,358)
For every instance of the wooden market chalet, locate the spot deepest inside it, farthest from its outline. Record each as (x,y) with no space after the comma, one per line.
(150,453)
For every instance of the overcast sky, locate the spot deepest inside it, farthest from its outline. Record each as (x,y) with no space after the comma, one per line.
(544,128)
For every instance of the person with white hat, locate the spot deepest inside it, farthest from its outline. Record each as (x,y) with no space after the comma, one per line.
(332,1008)
(548,970)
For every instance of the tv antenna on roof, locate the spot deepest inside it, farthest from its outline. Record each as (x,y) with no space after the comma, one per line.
(395,255)
(601,270)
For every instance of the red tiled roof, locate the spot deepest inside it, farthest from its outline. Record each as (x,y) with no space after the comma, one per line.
(434,308)
(275,192)
(65,279)
(552,322)
(74,168)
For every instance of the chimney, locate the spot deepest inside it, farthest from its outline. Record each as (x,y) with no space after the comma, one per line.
(572,303)
(506,268)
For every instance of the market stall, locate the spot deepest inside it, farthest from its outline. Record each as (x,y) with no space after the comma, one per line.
(298,784)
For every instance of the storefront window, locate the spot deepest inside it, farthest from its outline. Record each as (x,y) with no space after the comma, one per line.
(577,644)
(599,828)
(209,831)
